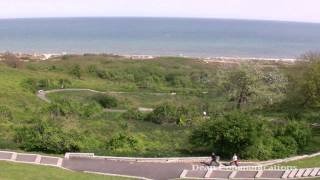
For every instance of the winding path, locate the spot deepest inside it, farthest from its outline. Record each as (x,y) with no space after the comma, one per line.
(42,94)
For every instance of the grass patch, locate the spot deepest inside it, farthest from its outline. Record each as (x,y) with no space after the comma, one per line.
(304,163)
(15,171)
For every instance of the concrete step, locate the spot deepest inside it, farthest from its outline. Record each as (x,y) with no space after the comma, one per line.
(220,174)
(300,172)
(26,157)
(293,173)
(49,160)
(272,174)
(196,174)
(5,155)
(246,174)
(286,174)
(314,172)
(307,172)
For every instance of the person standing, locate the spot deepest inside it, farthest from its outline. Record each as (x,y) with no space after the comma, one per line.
(234,160)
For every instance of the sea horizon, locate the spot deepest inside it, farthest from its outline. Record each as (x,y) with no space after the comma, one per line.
(160,36)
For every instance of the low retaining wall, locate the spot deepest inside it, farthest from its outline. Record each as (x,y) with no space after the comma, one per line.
(183,159)
(134,159)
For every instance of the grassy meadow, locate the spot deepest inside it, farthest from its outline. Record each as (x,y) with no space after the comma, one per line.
(76,121)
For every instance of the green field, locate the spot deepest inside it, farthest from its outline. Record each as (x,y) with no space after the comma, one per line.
(15,171)
(77,121)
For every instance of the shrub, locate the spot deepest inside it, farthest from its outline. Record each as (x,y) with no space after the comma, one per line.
(42,136)
(76,71)
(64,107)
(105,101)
(284,146)
(163,114)
(300,132)
(122,142)
(133,114)
(232,133)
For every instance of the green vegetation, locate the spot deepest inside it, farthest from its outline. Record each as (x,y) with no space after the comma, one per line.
(304,163)
(260,110)
(15,171)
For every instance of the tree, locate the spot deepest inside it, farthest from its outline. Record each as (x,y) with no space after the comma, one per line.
(228,134)
(304,81)
(240,86)
(11,60)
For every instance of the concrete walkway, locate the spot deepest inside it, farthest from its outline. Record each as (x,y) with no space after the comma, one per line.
(155,168)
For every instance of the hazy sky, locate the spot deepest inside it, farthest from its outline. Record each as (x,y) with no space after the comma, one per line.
(291,10)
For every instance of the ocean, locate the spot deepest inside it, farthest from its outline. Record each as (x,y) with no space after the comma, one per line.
(160,36)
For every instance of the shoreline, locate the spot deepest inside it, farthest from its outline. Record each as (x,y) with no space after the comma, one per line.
(46,56)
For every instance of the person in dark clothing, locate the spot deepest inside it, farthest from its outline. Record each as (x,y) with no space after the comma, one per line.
(214,160)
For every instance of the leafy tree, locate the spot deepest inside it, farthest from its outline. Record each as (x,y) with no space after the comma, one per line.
(231,133)
(304,81)
(240,86)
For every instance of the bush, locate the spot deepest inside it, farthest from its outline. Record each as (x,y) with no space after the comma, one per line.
(232,133)
(122,142)
(76,71)
(170,114)
(298,130)
(41,136)
(249,137)
(284,147)
(106,101)
(163,114)
(64,107)
(133,114)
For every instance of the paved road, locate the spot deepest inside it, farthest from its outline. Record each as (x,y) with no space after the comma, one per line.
(151,170)
(155,168)
(157,171)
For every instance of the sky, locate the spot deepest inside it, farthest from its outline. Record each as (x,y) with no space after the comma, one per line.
(284,10)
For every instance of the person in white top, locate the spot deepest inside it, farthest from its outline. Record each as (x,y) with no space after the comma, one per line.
(234,160)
